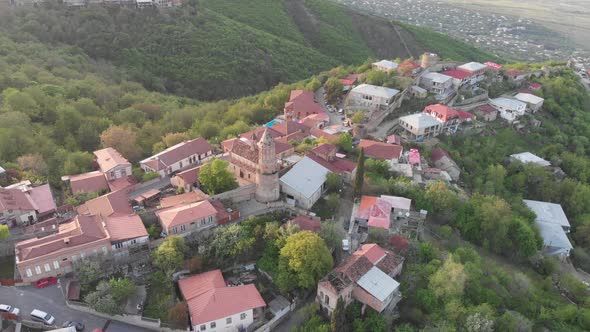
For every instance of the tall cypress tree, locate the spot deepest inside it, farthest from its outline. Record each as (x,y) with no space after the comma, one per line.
(338,319)
(360,174)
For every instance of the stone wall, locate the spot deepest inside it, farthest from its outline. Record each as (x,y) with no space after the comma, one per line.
(240,194)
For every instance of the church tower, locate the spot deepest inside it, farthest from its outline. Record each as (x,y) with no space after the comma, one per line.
(267,172)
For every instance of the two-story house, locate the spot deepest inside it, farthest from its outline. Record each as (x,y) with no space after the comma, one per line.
(372,96)
(366,276)
(439,84)
(214,306)
(112,164)
(381,150)
(509,109)
(178,157)
(188,218)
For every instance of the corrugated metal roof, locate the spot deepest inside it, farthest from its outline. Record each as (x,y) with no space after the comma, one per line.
(548,212)
(378,284)
(374,90)
(307,176)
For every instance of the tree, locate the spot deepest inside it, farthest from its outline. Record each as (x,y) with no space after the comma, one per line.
(512,321)
(88,272)
(123,140)
(333,88)
(172,139)
(443,199)
(360,174)
(345,142)
(303,260)
(169,256)
(215,178)
(449,280)
(333,182)
(338,319)
(179,314)
(479,323)
(358,117)
(313,85)
(121,288)
(4,232)
(331,234)
(376,77)
(33,163)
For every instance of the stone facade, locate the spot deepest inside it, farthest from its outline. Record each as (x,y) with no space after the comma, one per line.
(267,172)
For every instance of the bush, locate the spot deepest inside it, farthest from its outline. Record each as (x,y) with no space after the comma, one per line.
(581,259)
(445,231)
(149,176)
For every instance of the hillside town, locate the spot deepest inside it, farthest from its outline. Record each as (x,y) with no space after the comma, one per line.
(114,252)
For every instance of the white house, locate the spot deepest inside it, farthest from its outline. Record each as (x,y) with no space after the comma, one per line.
(420,126)
(304,183)
(112,164)
(178,157)
(213,306)
(533,102)
(372,96)
(476,71)
(385,65)
(437,83)
(510,109)
(553,226)
(527,157)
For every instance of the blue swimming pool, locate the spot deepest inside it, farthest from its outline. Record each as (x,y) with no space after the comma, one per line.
(272,123)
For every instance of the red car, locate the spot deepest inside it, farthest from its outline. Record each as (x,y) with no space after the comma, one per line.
(42,283)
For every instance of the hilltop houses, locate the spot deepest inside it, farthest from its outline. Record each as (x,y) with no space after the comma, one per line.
(434,120)
(385,66)
(372,96)
(301,104)
(534,103)
(553,226)
(509,109)
(439,84)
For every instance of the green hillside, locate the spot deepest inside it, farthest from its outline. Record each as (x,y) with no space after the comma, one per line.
(216,49)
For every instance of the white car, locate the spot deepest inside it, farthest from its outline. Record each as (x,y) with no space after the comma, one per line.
(9,309)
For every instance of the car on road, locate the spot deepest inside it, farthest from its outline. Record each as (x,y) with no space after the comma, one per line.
(9,309)
(70,323)
(42,316)
(42,283)
(340,111)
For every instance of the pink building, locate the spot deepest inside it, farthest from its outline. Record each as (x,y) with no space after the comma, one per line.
(192,217)
(301,104)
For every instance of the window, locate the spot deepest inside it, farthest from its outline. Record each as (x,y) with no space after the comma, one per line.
(183,228)
(47,267)
(56,265)
(112,174)
(180,164)
(243,316)
(203,327)
(123,173)
(119,245)
(228,320)
(29,273)
(327,299)
(38,269)
(213,325)
(134,241)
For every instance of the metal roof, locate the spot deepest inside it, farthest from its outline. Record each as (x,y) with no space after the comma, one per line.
(473,66)
(546,212)
(378,284)
(554,237)
(374,90)
(306,177)
(386,64)
(527,157)
(420,120)
(529,98)
(508,103)
(437,77)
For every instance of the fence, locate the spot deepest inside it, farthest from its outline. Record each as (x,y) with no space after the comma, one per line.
(144,322)
(277,319)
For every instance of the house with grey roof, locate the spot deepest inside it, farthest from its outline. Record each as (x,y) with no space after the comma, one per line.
(510,109)
(529,158)
(304,184)
(420,126)
(372,96)
(553,226)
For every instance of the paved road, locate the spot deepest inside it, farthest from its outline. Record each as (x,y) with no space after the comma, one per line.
(51,300)
(335,118)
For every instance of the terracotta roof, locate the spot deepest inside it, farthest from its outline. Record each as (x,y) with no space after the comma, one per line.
(442,112)
(187,213)
(122,183)
(464,115)
(81,230)
(302,103)
(186,198)
(191,175)
(154,164)
(485,109)
(256,134)
(306,223)
(292,137)
(88,182)
(350,79)
(290,127)
(281,147)
(513,73)
(246,149)
(338,165)
(372,251)
(43,198)
(409,64)
(109,158)
(209,299)
(535,86)
(181,151)
(324,148)
(15,199)
(123,227)
(355,266)
(459,74)
(106,205)
(381,150)
(377,214)
(320,133)
(389,262)
(394,139)
(438,153)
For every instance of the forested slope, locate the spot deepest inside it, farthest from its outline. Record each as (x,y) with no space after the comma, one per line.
(218,49)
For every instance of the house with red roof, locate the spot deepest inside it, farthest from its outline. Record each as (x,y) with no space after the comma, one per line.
(214,306)
(535,86)
(17,207)
(378,211)
(409,68)
(349,81)
(516,76)
(486,112)
(188,179)
(306,223)
(177,157)
(301,104)
(381,150)
(460,77)
(366,276)
(188,218)
(325,155)
(112,164)
(449,117)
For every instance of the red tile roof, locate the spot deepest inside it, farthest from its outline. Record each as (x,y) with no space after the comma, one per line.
(122,183)
(256,134)
(324,149)
(186,198)
(290,127)
(306,223)
(513,73)
(438,153)
(372,251)
(209,299)
(394,139)
(535,86)
(350,79)
(43,198)
(182,150)
(338,165)
(191,175)
(183,214)
(106,205)
(485,109)
(459,74)
(302,103)
(109,158)
(122,227)
(380,150)
(409,64)
(316,132)
(15,199)
(88,182)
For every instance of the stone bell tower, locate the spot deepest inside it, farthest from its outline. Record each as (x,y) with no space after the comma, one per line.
(267,172)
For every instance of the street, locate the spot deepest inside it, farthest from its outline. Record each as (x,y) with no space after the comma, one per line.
(162,183)
(335,118)
(51,300)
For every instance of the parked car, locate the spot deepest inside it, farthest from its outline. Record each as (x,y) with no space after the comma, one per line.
(42,283)
(42,316)
(340,111)
(9,309)
(70,323)
(345,245)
